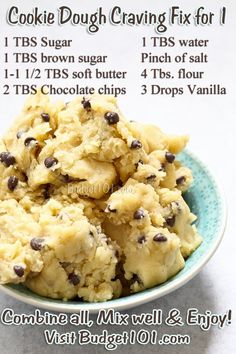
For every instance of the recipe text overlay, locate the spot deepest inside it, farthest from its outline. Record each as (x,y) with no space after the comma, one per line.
(143,328)
(31,68)
(117,17)
(158,64)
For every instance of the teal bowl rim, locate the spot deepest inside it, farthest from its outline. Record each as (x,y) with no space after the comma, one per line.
(137,298)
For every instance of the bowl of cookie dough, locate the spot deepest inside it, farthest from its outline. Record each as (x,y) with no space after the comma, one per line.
(100,212)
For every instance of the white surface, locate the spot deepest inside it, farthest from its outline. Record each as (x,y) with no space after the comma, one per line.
(210,122)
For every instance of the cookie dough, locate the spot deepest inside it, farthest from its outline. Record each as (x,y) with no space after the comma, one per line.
(84,194)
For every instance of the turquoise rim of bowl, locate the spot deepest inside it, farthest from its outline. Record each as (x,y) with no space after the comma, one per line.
(206,200)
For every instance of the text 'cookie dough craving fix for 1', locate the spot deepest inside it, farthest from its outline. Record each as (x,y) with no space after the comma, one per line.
(90,203)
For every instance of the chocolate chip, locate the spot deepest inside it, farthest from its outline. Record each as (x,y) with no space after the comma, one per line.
(66,178)
(170,221)
(169,157)
(180,180)
(19,271)
(36,243)
(50,162)
(24,177)
(7,158)
(151,177)
(111,118)
(46,192)
(139,214)
(91,233)
(160,238)
(29,140)
(86,104)
(20,133)
(45,117)
(141,239)
(135,279)
(12,183)
(136,144)
(74,278)
(111,210)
